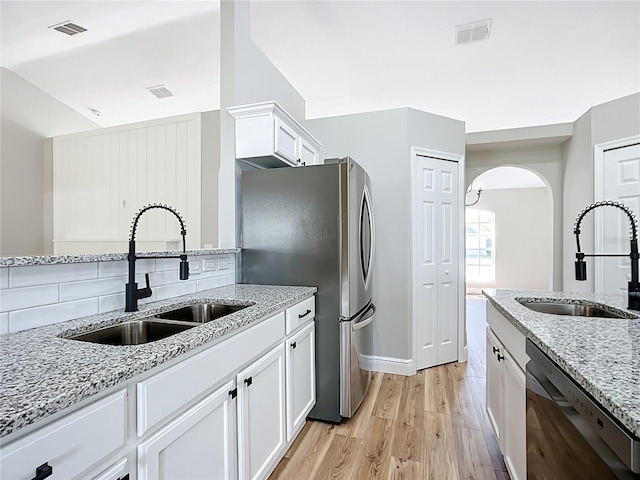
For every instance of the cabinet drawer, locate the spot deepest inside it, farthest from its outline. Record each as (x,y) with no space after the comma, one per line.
(300,314)
(169,391)
(71,444)
(509,335)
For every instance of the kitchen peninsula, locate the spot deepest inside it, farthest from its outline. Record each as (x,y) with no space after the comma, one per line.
(90,410)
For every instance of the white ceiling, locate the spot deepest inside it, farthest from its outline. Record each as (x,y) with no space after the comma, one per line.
(545,61)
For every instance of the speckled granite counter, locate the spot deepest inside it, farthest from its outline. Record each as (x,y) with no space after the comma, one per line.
(601,354)
(41,374)
(103,257)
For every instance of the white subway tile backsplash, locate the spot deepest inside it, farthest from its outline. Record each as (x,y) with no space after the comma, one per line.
(91,288)
(167,264)
(121,267)
(27,297)
(4,323)
(163,278)
(212,282)
(60,312)
(180,288)
(44,274)
(33,296)
(108,303)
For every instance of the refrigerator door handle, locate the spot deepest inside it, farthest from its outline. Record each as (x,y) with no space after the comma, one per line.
(367,264)
(366,321)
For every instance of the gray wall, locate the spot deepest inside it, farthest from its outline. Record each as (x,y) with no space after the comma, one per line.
(210,165)
(246,76)
(381,142)
(524,236)
(602,123)
(28,116)
(543,160)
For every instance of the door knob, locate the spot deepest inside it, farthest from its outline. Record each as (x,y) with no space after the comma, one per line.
(446,272)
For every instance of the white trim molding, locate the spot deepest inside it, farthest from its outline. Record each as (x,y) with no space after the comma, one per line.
(397,366)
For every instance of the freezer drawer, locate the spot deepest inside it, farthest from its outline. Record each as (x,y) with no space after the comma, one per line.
(354,380)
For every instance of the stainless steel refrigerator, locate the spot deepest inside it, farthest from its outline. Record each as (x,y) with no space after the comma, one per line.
(314,226)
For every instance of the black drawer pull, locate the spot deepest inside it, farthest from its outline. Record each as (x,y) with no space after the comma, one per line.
(248,381)
(302,315)
(293,345)
(233,393)
(495,350)
(43,471)
(500,357)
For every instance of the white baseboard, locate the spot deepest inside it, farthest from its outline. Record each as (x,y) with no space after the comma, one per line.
(398,366)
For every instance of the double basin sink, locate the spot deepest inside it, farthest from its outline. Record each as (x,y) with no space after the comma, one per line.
(159,326)
(578,308)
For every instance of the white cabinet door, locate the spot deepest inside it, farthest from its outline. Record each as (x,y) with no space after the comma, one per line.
(495,390)
(514,420)
(116,472)
(261,415)
(301,381)
(200,444)
(307,154)
(286,141)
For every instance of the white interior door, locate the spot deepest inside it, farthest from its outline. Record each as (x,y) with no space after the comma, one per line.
(436,261)
(619,171)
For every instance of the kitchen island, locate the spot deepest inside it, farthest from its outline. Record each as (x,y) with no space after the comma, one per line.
(601,354)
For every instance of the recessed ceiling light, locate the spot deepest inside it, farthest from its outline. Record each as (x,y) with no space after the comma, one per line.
(472,32)
(68,28)
(160,91)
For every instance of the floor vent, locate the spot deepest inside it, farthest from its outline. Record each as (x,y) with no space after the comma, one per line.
(472,32)
(160,91)
(68,28)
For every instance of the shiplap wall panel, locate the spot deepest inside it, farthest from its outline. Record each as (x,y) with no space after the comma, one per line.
(102,178)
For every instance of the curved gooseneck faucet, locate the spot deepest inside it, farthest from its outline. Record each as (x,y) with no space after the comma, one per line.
(581,266)
(132,292)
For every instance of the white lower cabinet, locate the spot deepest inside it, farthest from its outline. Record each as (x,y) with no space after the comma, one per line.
(261,415)
(199,444)
(301,381)
(506,392)
(67,447)
(116,472)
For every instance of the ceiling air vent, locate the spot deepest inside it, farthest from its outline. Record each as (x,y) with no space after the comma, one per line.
(160,91)
(68,28)
(472,32)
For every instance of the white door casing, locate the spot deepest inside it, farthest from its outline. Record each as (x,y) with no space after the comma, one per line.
(437,253)
(617,177)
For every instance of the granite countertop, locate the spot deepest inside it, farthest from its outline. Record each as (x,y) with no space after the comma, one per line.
(103,257)
(41,373)
(600,354)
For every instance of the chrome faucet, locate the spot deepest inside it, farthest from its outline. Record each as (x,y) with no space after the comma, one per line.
(581,266)
(132,292)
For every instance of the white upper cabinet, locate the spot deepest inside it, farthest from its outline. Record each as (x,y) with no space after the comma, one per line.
(268,137)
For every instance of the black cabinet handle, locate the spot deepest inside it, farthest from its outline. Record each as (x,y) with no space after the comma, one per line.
(248,381)
(43,471)
(302,315)
(500,357)
(495,350)
(293,345)
(126,477)
(233,393)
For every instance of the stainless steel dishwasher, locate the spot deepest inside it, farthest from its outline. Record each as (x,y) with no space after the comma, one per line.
(569,435)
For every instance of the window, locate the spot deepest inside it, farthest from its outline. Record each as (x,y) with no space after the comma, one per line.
(480,262)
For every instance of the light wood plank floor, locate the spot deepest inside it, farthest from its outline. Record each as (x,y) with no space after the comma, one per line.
(432,425)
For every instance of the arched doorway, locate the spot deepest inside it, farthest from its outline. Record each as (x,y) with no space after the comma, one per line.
(509,227)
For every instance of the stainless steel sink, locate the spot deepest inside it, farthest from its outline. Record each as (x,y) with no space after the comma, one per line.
(200,313)
(135,332)
(574,309)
